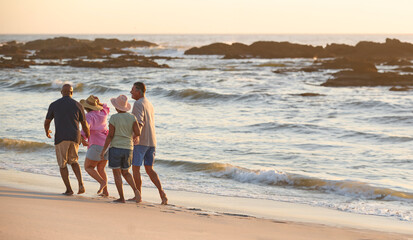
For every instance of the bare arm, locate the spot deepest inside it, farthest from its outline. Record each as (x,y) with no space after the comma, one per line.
(46,127)
(108,140)
(136,129)
(85,128)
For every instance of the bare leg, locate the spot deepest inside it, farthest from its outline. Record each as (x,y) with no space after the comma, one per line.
(90,168)
(101,170)
(78,173)
(119,185)
(137,177)
(64,173)
(128,177)
(155,179)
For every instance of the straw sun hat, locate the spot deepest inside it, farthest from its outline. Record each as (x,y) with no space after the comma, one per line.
(121,103)
(91,102)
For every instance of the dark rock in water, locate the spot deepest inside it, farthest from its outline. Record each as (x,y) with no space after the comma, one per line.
(392,48)
(335,50)
(65,42)
(400,89)
(368,79)
(309,94)
(74,51)
(261,49)
(376,52)
(15,63)
(55,43)
(116,63)
(11,49)
(115,43)
(342,63)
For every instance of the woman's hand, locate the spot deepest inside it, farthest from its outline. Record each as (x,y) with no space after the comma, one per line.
(84,142)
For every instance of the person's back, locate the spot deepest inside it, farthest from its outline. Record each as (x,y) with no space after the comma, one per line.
(67,113)
(123,123)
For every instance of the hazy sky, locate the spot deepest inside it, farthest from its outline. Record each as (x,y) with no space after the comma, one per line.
(205,16)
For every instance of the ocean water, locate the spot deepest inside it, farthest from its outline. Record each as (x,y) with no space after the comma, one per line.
(236,128)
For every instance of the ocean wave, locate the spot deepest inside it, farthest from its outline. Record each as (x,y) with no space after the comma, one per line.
(55,85)
(193,94)
(349,188)
(22,145)
(306,128)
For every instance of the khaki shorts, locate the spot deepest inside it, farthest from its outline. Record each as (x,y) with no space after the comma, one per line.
(66,153)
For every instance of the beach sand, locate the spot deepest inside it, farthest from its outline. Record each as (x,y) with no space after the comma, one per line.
(41,213)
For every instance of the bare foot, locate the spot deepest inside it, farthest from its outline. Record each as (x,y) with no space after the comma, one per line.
(120,200)
(132,199)
(164,199)
(102,186)
(105,192)
(68,193)
(138,197)
(81,190)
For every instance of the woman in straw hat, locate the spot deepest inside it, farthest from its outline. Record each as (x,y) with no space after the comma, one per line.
(123,127)
(96,116)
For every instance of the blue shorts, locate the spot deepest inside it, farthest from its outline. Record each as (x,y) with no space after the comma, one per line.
(120,158)
(143,154)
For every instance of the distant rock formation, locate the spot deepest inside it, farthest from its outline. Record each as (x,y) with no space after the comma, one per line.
(262,49)
(65,42)
(71,48)
(364,50)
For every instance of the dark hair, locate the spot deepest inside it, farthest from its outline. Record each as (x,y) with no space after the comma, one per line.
(140,86)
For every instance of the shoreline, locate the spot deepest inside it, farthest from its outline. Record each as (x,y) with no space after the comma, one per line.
(39,215)
(210,206)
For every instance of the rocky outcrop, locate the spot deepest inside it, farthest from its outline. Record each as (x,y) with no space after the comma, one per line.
(368,79)
(343,63)
(15,63)
(262,49)
(364,50)
(65,42)
(74,51)
(115,43)
(71,48)
(116,63)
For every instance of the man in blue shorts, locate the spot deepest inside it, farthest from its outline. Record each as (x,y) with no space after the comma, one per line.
(145,144)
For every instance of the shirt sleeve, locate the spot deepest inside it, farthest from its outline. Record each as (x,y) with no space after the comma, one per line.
(50,112)
(138,112)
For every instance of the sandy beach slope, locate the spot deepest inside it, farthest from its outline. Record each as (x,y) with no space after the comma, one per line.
(40,215)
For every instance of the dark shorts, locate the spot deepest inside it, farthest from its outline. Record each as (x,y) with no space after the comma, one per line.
(143,154)
(120,158)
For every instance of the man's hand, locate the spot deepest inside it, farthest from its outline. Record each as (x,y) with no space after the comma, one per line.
(48,133)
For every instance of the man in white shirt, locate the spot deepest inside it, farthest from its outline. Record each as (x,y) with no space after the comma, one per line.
(145,144)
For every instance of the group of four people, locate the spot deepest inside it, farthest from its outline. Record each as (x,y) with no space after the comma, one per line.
(131,138)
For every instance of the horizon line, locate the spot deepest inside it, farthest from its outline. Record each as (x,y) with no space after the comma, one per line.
(206,33)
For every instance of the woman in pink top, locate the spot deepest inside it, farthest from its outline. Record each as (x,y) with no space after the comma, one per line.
(96,116)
